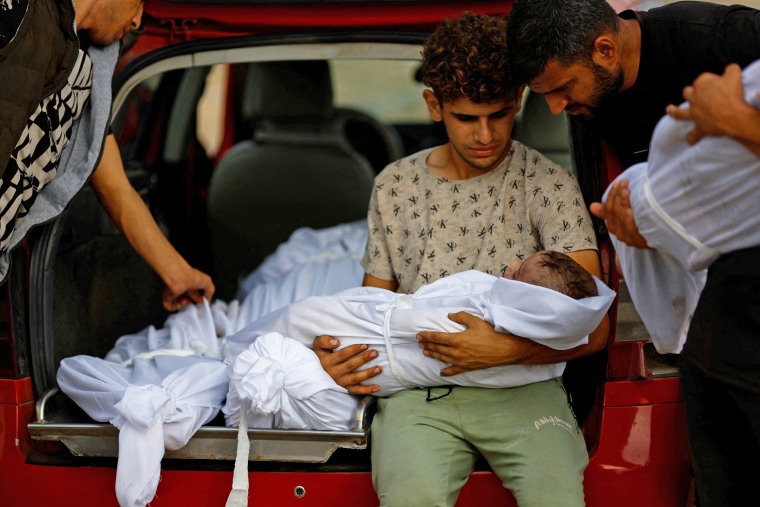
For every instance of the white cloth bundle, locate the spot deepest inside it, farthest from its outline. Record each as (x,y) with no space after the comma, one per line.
(156,403)
(159,386)
(389,322)
(692,203)
(287,388)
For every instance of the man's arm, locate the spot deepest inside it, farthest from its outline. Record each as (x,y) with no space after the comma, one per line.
(343,365)
(481,346)
(717,108)
(184,284)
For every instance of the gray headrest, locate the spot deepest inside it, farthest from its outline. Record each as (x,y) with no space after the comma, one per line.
(296,89)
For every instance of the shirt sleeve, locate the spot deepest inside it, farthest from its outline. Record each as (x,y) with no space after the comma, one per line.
(556,208)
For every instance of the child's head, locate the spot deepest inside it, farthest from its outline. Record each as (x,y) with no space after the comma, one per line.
(554,270)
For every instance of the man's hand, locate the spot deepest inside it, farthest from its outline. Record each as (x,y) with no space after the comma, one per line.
(718,108)
(479,346)
(617,213)
(188,286)
(714,104)
(342,365)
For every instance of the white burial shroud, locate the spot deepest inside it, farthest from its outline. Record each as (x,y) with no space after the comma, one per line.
(389,322)
(159,386)
(692,203)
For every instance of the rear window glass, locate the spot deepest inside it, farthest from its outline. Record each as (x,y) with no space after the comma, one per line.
(385,89)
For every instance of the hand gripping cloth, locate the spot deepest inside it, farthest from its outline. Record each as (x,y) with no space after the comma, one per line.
(692,203)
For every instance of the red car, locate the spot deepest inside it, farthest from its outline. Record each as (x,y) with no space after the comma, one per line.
(186,100)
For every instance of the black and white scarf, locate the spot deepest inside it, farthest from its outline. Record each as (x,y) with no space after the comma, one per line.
(34,161)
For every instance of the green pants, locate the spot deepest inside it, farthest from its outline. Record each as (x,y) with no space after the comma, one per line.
(423,451)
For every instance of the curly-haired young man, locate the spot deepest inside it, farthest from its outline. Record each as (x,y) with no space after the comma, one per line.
(479,201)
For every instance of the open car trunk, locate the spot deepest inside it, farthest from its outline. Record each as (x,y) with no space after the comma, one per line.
(88,287)
(98,289)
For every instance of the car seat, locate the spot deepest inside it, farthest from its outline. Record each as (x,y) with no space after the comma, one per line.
(540,129)
(374,139)
(298,170)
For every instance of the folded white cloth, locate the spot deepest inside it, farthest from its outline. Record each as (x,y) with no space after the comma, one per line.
(156,403)
(692,203)
(389,322)
(287,388)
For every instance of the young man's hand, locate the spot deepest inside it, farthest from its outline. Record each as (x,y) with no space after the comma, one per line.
(342,365)
(479,346)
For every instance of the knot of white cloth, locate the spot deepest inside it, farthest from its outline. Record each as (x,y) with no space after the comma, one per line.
(402,301)
(144,406)
(260,380)
(202,349)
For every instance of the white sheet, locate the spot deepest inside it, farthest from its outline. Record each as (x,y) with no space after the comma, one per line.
(156,403)
(389,322)
(311,262)
(692,204)
(159,386)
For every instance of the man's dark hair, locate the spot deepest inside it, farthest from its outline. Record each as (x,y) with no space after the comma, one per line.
(564,30)
(561,273)
(465,57)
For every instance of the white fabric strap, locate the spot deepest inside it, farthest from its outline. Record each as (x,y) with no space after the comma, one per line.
(160,352)
(239,495)
(675,226)
(403,301)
